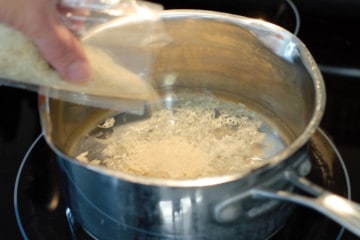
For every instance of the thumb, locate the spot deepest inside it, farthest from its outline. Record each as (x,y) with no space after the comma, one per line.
(39,20)
(62,50)
(55,42)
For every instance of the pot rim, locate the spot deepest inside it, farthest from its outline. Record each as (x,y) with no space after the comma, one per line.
(297,144)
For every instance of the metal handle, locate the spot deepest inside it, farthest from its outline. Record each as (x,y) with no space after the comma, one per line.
(339,209)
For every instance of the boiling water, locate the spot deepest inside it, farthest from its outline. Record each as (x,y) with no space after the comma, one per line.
(197,134)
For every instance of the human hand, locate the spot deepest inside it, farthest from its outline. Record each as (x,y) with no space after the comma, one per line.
(39,20)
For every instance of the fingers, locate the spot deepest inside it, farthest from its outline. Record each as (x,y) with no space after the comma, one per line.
(63,51)
(38,19)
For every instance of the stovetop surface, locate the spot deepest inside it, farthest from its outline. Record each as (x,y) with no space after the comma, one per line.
(331,37)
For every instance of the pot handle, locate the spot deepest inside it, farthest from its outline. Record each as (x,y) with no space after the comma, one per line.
(339,209)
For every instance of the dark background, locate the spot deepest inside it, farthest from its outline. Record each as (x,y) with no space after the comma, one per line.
(329,28)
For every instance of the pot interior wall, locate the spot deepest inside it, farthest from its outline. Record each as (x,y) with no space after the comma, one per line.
(226,57)
(220,55)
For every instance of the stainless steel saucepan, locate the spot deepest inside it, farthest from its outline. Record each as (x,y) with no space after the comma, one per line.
(265,67)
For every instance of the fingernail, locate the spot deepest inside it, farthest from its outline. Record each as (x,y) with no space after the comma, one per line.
(77,72)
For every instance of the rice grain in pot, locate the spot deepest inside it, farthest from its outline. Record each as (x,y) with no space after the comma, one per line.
(201,135)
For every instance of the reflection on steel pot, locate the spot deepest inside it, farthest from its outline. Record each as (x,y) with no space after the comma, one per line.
(266,68)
